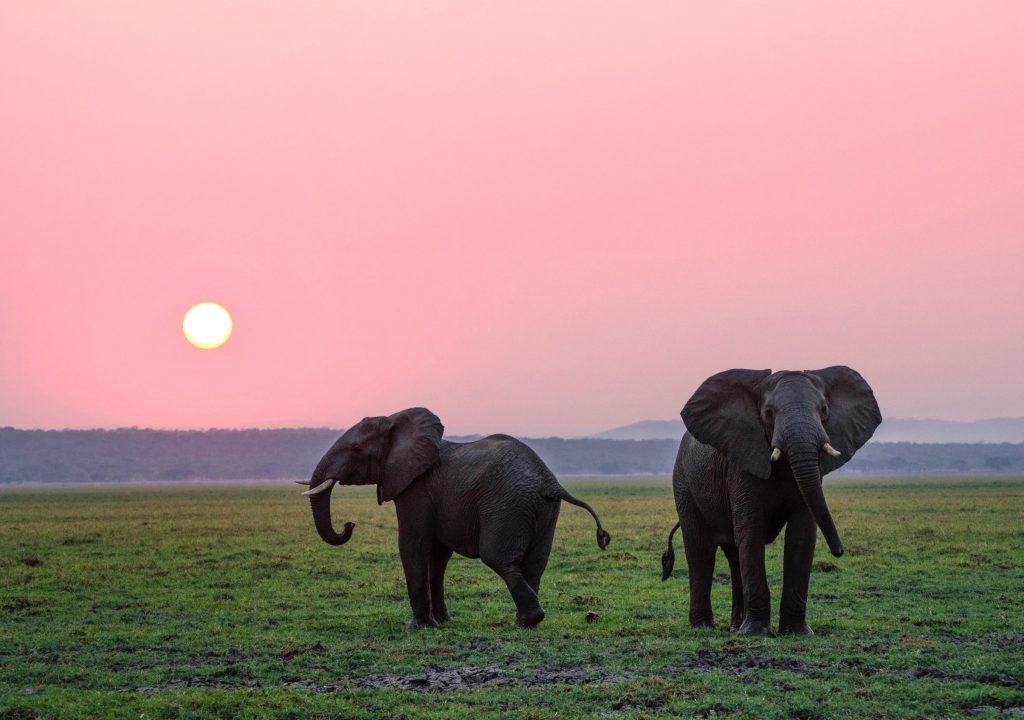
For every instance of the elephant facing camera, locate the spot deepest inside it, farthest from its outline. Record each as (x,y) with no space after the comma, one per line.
(751,463)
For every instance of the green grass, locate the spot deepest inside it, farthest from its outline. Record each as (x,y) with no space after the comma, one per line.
(222,602)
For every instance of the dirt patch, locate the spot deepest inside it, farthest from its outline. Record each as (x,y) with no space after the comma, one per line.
(570,675)
(315,649)
(732,660)
(31,561)
(132,667)
(195,682)
(644,705)
(434,678)
(1009,711)
(723,578)
(480,645)
(312,686)
(854,664)
(440,679)
(21,605)
(1010,640)
(824,597)
(1006,681)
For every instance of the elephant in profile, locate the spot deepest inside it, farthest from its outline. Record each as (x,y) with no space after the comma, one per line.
(751,462)
(492,499)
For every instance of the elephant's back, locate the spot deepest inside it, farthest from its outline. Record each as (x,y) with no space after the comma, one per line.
(495,455)
(496,479)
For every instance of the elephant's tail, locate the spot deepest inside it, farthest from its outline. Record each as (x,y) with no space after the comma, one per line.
(668,558)
(603,538)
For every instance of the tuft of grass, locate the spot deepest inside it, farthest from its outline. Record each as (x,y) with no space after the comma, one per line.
(202,601)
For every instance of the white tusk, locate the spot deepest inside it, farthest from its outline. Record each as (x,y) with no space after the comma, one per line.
(302,482)
(831,450)
(776,454)
(326,485)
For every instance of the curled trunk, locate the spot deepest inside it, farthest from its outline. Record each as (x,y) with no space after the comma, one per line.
(803,459)
(321,505)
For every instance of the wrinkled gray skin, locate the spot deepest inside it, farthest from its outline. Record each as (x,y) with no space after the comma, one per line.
(730,494)
(492,499)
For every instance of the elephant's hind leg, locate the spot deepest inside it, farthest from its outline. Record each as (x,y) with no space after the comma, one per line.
(510,567)
(700,561)
(733,556)
(528,610)
(536,559)
(415,553)
(439,557)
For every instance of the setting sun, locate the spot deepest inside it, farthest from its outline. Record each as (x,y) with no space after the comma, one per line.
(207,325)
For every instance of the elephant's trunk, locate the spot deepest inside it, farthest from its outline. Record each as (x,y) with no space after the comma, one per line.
(321,505)
(803,460)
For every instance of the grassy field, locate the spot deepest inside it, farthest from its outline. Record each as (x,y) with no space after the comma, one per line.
(222,602)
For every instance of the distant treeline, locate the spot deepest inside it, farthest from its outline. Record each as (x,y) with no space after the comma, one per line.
(132,454)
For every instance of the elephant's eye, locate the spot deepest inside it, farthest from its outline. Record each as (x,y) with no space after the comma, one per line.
(824,413)
(769,414)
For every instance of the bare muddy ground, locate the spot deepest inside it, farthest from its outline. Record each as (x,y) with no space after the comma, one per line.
(437,678)
(732,659)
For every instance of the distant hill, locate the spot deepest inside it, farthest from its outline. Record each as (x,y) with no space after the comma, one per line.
(996,430)
(644,430)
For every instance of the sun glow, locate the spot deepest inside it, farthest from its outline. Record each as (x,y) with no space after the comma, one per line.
(207,325)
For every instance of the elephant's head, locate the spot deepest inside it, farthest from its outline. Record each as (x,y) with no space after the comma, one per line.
(815,420)
(389,452)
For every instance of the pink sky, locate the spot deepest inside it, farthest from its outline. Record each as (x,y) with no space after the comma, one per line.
(539,218)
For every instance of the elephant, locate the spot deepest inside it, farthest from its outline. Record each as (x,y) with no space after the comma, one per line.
(751,461)
(492,499)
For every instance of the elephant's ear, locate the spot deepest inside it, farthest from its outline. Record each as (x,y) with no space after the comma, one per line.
(414,445)
(725,413)
(853,413)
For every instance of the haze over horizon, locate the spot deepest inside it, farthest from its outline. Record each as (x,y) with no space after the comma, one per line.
(892,430)
(534,219)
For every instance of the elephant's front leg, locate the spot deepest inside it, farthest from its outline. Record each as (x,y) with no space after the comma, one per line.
(801,535)
(439,557)
(415,551)
(756,596)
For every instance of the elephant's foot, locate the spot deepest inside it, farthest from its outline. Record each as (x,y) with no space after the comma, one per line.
(422,623)
(701,616)
(442,617)
(794,629)
(756,627)
(529,618)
